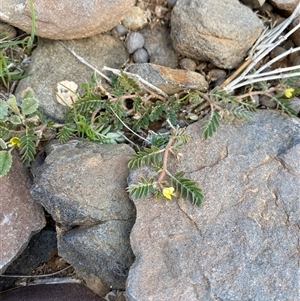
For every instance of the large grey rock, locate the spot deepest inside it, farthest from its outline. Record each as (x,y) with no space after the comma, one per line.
(51,64)
(217,31)
(65,20)
(82,185)
(241,244)
(103,250)
(20,216)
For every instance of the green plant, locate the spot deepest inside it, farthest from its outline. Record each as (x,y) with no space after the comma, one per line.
(14,55)
(157,158)
(21,127)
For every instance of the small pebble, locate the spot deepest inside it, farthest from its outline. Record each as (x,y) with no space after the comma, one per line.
(134,41)
(121,30)
(267,102)
(188,64)
(216,74)
(288,44)
(135,19)
(296,60)
(140,56)
(295,104)
(278,51)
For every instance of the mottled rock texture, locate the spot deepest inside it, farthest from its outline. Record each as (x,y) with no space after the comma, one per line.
(51,63)
(65,20)
(82,185)
(169,80)
(241,244)
(20,216)
(217,31)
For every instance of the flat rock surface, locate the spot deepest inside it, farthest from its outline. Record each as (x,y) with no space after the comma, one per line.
(51,63)
(83,183)
(20,216)
(220,32)
(241,244)
(59,20)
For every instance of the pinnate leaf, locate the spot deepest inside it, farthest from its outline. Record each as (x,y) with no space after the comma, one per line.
(187,188)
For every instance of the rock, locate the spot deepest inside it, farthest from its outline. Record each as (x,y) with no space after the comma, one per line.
(295,104)
(222,32)
(51,64)
(268,102)
(171,3)
(39,250)
(20,216)
(242,241)
(65,20)
(121,30)
(286,5)
(51,292)
(169,80)
(134,41)
(65,185)
(140,56)
(278,51)
(8,31)
(296,60)
(103,250)
(296,35)
(254,3)
(82,185)
(188,64)
(158,44)
(216,74)
(135,18)
(94,283)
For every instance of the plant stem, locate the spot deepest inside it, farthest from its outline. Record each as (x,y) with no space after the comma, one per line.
(165,160)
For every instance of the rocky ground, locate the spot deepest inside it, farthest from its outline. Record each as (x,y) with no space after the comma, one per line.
(71,211)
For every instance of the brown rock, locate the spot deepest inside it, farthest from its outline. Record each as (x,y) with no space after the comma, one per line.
(67,20)
(254,3)
(286,5)
(296,35)
(135,18)
(20,216)
(169,80)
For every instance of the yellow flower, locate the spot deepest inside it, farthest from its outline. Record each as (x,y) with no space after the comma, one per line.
(14,141)
(288,93)
(168,192)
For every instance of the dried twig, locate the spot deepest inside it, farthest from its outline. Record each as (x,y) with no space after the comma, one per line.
(268,40)
(83,61)
(136,77)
